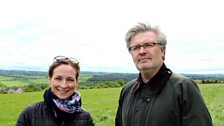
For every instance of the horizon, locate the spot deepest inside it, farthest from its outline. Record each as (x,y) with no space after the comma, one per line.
(45,71)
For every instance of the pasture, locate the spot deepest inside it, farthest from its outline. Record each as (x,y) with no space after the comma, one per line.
(21,80)
(102,104)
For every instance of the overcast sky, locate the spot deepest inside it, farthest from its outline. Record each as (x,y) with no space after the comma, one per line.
(92,31)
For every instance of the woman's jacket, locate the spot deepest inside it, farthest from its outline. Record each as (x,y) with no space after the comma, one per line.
(39,114)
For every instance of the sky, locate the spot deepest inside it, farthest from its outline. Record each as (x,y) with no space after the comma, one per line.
(33,32)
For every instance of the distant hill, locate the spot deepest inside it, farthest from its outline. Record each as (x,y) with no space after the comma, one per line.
(100,76)
(205,76)
(21,72)
(39,73)
(26,81)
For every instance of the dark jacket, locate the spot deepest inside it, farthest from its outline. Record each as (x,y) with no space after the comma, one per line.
(179,103)
(39,114)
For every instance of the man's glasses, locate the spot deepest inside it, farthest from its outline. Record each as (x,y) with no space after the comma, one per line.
(148,45)
(63,58)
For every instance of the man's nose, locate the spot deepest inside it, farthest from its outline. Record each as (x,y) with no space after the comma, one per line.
(142,49)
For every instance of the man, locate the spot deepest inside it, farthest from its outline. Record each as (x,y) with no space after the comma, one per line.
(157,97)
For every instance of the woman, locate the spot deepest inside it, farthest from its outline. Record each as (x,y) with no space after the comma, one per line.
(62,103)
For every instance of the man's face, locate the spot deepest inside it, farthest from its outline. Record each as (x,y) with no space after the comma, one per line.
(147,55)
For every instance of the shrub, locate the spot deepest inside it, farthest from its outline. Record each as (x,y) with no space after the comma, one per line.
(2,88)
(31,88)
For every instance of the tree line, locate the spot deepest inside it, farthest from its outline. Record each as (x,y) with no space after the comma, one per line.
(97,80)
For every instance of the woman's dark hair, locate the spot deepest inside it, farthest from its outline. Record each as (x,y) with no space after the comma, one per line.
(66,61)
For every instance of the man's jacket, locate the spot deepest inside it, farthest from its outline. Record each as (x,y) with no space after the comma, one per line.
(179,103)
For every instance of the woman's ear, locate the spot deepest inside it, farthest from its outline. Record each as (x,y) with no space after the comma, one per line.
(77,81)
(49,79)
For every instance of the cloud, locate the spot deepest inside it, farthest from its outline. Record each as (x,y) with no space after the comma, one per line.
(33,32)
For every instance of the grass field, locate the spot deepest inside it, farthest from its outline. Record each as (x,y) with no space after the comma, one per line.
(25,80)
(102,104)
(213,95)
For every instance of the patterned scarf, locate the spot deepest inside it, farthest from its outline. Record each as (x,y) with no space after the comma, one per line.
(70,105)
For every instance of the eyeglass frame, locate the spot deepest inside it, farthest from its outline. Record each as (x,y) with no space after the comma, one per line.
(62,58)
(145,45)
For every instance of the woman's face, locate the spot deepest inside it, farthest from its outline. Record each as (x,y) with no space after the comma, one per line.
(63,82)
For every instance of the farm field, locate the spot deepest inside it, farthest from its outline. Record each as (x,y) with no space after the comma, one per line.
(16,80)
(102,104)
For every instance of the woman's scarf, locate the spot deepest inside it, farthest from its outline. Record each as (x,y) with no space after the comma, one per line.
(70,105)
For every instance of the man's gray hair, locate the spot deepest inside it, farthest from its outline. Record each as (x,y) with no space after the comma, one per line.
(144,27)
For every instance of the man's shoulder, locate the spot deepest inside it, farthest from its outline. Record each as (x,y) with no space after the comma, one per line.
(179,78)
(127,87)
(130,83)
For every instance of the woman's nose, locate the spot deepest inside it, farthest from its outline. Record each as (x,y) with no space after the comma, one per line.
(64,84)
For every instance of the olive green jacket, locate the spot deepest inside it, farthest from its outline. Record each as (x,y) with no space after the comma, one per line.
(178,104)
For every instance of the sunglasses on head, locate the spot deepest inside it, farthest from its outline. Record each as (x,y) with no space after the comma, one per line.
(62,58)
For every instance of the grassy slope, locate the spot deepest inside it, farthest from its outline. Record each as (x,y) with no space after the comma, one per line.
(213,96)
(102,103)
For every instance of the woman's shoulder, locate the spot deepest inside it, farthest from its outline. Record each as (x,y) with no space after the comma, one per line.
(34,107)
(29,112)
(84,114)
(84,118)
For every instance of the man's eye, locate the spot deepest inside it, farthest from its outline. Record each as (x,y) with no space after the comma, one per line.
(136,47)
(148,45)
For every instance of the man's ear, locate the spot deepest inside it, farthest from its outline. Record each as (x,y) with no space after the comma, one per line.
(163,52)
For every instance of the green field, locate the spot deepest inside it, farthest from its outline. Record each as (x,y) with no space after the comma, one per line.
(10,81)
(102,104)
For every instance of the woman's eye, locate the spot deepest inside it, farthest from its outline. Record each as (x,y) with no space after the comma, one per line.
(70,80)
(57,78)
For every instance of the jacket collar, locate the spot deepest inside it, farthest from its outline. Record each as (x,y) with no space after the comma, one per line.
(157,82)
